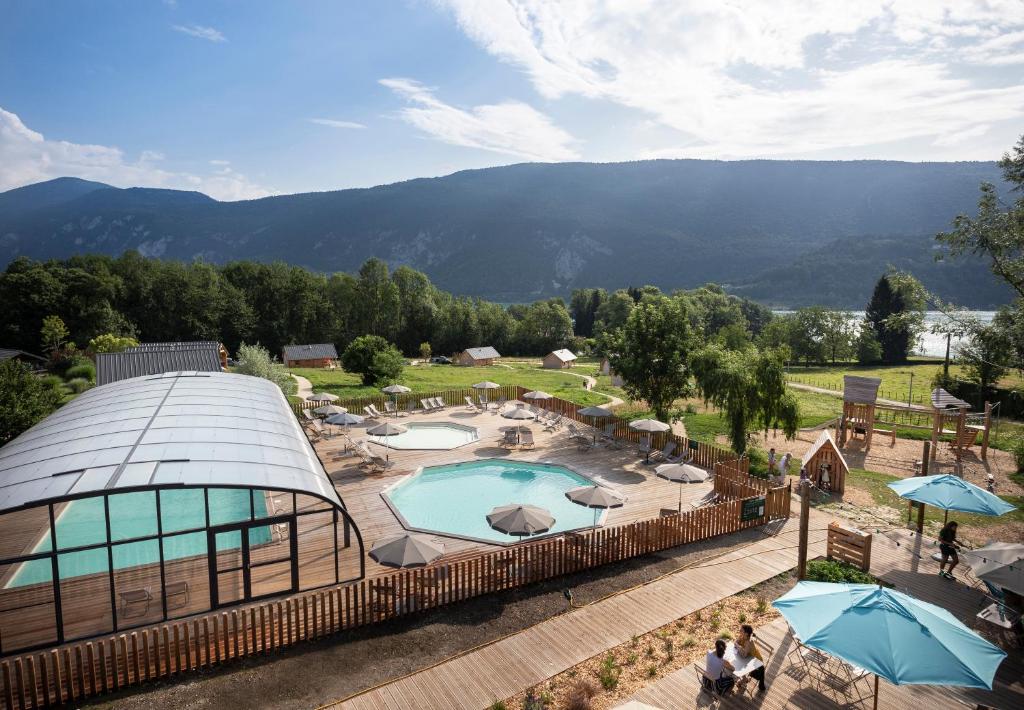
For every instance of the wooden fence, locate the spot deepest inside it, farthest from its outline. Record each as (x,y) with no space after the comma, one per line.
(703,454)
(88,668)
(849,545)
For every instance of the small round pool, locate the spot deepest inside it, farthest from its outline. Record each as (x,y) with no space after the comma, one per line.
(430,435)
(455,499)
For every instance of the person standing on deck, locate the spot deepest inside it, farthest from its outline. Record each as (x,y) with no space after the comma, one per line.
(948,547)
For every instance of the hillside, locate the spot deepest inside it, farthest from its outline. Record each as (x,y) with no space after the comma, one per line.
(515,233)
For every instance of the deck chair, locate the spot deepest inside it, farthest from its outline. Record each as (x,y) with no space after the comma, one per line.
(427,406)
(441,403)
(308,416)
(500,402)
(134,599)
(371,411)
(710,498)
(379,463)
(376,412)
(390,408)
(316,431)
(511,438)
(178,591)
(665,452)
(526,438)
(483,402)
(997,613)
(410,407)
(683,457)
(471,406)
(644,447)
(609,438)
(583,442)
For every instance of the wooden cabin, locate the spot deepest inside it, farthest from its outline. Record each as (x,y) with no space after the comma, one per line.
(559,360)
(315,355)
(825,451)
(478,357)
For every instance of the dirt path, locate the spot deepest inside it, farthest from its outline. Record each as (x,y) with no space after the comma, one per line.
(591,383)
(305,387)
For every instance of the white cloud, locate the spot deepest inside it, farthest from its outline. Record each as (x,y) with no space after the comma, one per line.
(26,156)
(200,31)
(753,78)
(511,127)
(334,123)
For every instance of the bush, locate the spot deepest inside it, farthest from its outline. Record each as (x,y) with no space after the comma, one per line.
(580,695)
(256,361)
(837,572)
(1018,454)
(374,359)
(533,702)
(53,381)
(86,371)
(498,705)
(609,673)
(79,384)
(24,399)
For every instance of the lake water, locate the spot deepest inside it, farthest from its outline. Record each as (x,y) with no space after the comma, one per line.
(930,344)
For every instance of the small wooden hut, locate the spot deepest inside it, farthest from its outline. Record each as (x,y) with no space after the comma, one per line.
(478,357)
(825,451)
(559,360)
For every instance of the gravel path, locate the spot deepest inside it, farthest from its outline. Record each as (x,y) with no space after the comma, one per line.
(305,387)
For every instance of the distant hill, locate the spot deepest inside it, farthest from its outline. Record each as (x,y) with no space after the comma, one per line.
(784,232)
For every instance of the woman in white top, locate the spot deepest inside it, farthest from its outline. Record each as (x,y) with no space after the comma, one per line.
(717,670)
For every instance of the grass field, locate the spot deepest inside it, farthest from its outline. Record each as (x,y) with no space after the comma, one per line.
(428,378)
(877,484)
(896,379)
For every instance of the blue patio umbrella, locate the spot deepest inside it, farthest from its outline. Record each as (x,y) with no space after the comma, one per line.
(893,635)
(950,493)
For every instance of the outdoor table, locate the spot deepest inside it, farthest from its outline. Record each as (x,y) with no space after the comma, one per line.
(742,667)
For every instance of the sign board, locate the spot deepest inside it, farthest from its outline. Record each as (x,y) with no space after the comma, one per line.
(753,508)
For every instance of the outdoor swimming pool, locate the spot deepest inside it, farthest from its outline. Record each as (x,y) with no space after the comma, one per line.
(132,515)
(456,499)
(430,435)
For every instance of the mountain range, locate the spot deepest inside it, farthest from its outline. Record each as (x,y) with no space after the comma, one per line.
(786,233)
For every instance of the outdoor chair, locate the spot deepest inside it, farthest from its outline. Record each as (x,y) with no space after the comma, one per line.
(390,408)
(709,498)
(526,438)
(316,431)
(132,599)
(426,405)
(471,406)
(176,590)
(379,463)
(375,412)
(441,403)
(483,402)
(308,415)
(707,685)
(553,422)
(583,442)
(665,452)
(511,438)
(683,457)
(644,448)
(410,407)
(997,613)
(370,411)
(500,403)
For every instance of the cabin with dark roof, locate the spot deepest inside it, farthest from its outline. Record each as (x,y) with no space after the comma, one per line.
(477,357)
(313,355)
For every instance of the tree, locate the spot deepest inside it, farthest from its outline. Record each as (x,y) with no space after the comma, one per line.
(110,343)
(806,337)
(984,354)
(896,313)
(424,351)
(545,326)
(53,334)
(749,387)
(613,312)
(651,353)
(256,361)
(25,399)
(867,347)
(837,334)
(584,305)
(373,358)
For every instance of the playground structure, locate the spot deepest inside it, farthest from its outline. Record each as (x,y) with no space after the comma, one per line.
(947,419)
(824,451)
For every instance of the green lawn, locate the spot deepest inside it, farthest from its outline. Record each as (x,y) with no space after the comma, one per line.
(877,485)
(895,378)
(428,378)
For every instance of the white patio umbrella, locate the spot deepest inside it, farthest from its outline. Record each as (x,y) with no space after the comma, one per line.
(595,413)
(596,497)
(394,391)
(329,409)
(322,397)
(651,426)
(486,385)
(520,520)
(406,550)
(344,419)
(1001,564)
(519,414)
(385,430)
(681,473)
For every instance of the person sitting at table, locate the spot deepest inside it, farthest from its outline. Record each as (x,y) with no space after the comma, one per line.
(718,671)
(746,648)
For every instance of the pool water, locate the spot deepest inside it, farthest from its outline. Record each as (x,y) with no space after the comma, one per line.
(456,499)
(81,522)
(430,435)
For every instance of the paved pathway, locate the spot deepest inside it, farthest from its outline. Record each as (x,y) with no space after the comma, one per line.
(305,387)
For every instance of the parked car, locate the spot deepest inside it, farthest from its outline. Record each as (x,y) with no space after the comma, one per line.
(441,360)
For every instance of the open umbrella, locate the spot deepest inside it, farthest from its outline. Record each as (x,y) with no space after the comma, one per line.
(950,493)
(329,409)
(517,413)
(1001,564)
(386,430)
(394,391)
(681,473)
(520,520)
(890,634)
(537,394)
(486,385)
(343,420)
(651,426)
(596,497)
(406,550)
(322,397)
(595,413)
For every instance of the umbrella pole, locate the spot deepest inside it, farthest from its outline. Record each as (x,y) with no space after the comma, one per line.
(945,519)
(680,509)
(876,693)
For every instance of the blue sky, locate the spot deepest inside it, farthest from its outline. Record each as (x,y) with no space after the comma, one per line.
(244,99)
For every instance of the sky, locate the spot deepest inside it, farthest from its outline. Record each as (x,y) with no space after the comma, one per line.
(246,99)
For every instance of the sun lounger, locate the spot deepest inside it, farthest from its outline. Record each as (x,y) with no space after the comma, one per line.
(526,438)
(709,499)
(371,411)
(390,408)
(684,457)
(665,452)
(500,403)
(552,422)
(427,406)
(440,402)
(511,438)
(380,463)
(410,407)
(609,438)
(470,405)
(376,412)
(583,442)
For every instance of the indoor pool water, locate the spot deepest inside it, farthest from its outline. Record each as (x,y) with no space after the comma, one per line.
(132,515)
(430,435)
(456,499)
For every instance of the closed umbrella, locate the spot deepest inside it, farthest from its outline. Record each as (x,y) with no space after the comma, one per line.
(406,550)
(651,426)
(520,520)
(681,473)
(595,413)
(322,397)
(486,385)
(1001,564)
(386,430)
(596,497)
(329,409)
(890,634)
(951,493)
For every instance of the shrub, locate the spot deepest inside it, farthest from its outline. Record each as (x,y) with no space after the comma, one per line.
(255,360)
(110,343)
(670,651)
(762,605)
(690,409)
(580,695)
(1018,454)
(85,371)
(498,705)
(689,642)
(631,659)
(837,572)
(652,671)
(533,702)
(374,359)
(725,635)
(609,672)
(24,399)
(742,618)
(53,381)
(79,384)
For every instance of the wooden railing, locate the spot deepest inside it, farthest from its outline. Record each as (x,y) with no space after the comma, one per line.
(79,670)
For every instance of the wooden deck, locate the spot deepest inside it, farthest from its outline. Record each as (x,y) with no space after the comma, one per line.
(622,470)
(516,663)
